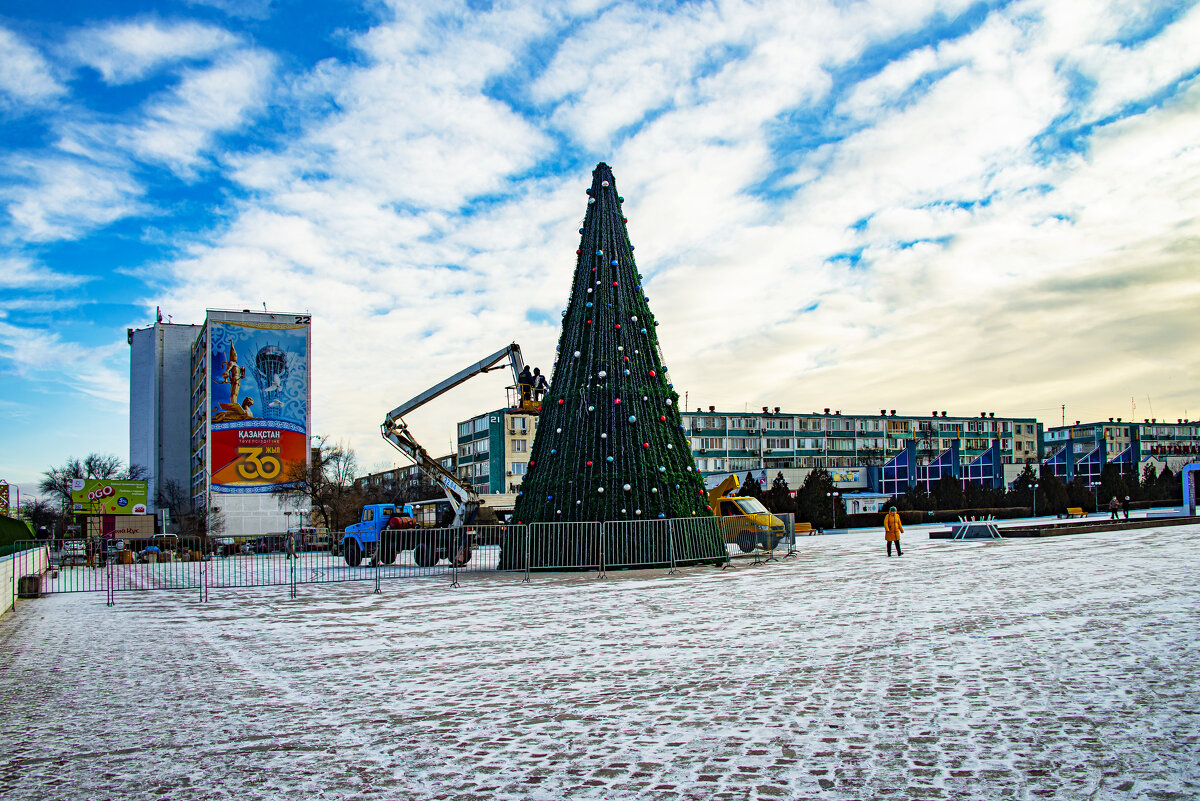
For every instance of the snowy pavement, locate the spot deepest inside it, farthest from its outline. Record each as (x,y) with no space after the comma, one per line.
(1066,667)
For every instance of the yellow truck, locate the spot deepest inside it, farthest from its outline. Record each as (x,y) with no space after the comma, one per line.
(744,520)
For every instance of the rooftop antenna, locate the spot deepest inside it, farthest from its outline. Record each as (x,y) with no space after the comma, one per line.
(1151,405)
(264,305)
(1064,414)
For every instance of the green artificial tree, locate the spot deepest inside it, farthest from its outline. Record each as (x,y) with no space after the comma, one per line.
(610,443)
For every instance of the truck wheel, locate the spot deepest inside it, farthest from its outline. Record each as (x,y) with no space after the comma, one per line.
(353,552)
(387,553)
(462,557)
(424,555)
(745,541)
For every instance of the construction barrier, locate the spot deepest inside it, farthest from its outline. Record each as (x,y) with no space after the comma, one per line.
(195,564)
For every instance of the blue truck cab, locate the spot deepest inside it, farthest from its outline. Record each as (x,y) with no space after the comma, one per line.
(363,538)
(385,529)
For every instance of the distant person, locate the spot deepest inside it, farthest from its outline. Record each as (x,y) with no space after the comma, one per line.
(525,382)
(1125,507)
(891,531)
(539,384)
(1114,506)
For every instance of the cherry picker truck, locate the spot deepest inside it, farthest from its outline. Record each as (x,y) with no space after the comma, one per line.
(384,531)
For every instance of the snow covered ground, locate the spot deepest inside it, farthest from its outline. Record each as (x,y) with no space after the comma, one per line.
(1066,667)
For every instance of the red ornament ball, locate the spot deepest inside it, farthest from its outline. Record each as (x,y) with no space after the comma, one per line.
(626,358)
(589,322)
(618,326)
(652,374)
(709,508)
(645,444)
(589,464)
(618,400)
(662,419)
(579,253)
(560,401)
(614,283)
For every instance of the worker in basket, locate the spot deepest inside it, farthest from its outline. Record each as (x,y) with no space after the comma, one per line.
(525,382)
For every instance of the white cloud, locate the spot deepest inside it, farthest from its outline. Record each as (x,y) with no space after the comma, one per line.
(180,127)
(43,356)
(25,76)
(419,215)
(22,273)
(130,51)
(61,197)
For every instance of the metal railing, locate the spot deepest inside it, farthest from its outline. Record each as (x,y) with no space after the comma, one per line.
(197,565)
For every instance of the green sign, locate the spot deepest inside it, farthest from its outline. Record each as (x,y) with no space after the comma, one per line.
(102,496)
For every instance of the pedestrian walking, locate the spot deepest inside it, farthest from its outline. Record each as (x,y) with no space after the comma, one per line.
(891,531)
(1114,506)
(1125,507)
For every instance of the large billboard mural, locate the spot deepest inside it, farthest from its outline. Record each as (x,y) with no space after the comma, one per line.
(102,496)
(258,390)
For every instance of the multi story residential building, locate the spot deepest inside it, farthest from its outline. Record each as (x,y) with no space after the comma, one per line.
(1083,449)
(777,440)
(159,392)
(493,450)
(222,410)
(391,482)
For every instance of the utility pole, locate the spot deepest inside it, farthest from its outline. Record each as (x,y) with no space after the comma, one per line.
(1064,414)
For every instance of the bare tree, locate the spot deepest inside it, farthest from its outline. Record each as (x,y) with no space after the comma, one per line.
(327,484)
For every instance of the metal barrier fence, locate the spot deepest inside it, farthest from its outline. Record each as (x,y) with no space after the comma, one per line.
(193,564)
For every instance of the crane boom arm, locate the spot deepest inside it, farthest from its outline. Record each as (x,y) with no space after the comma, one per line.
(462,496)
(511,352)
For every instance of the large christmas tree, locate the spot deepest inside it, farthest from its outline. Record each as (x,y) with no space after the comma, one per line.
(610,444)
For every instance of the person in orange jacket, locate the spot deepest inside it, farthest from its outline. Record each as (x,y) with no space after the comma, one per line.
(891,531)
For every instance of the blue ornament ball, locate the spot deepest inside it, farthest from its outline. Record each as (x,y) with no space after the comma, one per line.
(599,252)
(632,418)
(614,262)
(643,330)
(608,458)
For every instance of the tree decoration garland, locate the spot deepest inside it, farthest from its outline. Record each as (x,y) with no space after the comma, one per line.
(611,416)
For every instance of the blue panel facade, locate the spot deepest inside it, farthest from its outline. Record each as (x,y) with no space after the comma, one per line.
(1060,463)
(1089,466)
(899,473)
(946,464)
(987,469)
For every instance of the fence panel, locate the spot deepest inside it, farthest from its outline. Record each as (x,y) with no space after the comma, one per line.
(638,543)
(750,532)
(553,546)
(169,563)
(698,540)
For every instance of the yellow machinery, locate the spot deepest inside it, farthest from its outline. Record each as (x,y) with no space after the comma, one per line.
(744,520)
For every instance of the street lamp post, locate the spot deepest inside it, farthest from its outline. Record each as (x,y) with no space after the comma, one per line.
(1034,485)
(1095,485)
(833,496)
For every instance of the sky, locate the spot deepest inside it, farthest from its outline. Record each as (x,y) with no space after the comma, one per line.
(911,205)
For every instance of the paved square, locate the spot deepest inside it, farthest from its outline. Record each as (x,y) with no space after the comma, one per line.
(1058,668)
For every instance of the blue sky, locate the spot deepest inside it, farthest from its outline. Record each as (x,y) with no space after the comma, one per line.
(914,205)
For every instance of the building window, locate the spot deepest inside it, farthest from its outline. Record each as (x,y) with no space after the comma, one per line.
(519,425)
(481,424)
(464,429)
(519,468)
(518,446)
